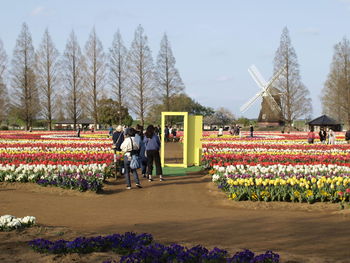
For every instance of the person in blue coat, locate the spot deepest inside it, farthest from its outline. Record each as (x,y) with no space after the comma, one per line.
(139,139)
(152,143)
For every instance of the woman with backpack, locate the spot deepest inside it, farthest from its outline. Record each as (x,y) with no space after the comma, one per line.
(152,143)
(139,138)
(130,149)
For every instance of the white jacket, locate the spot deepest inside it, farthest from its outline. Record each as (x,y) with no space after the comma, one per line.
(126,146)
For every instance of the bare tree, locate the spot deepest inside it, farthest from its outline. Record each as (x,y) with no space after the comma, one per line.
(48,76)
(221,116)
(141,75)
(118,70)
(95,73)
(73,69)
(3,87)
(336,92)
(23,77)
(168,77)
(295,99)
(60,105)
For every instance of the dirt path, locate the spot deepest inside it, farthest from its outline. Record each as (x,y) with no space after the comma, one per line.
(187,210)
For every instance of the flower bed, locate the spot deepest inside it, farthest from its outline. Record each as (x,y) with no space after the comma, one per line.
(8,222)
(279,169)
(55,158)
(142,248)
(121,244)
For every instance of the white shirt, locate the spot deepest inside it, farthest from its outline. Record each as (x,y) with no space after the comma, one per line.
(220,131)
(126,146)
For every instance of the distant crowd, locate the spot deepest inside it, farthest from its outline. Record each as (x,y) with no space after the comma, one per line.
(326,135)
(236,130)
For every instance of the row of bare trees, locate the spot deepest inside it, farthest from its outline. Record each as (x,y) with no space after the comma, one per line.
(45,84)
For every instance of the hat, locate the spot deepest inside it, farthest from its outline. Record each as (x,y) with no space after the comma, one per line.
(119,128)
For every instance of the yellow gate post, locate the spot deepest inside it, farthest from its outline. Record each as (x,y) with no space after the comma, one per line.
(192,145)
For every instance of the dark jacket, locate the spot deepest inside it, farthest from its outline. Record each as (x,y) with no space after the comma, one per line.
(118,138)
(347,135)
(140,141)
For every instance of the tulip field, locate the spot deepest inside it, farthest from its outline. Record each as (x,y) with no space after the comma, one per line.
(55,158)
(279,167)
(268,167)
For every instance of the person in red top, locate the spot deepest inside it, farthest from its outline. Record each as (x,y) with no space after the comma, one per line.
(311,136)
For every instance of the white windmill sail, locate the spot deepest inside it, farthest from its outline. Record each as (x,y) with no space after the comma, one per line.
(265,86)
(247,105)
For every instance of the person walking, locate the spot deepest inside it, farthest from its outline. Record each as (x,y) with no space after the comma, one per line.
(232,130)
(118,138)
(331,137)
(239,133)
(220,132)
(130,148)
(311,136)
(110,131)
(139,139)
(251,130)
(166,134)
(170,132)
(174,132)
(78,131)
(152,143)
(347,136)
(322,134)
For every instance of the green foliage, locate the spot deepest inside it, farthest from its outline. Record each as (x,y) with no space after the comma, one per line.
(40,123)
(108,113)
(180,103)
(244,121)
(15,117)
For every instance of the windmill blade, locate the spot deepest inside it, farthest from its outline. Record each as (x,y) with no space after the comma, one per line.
(257,73)
(253,71)
(247,105)
(275,77)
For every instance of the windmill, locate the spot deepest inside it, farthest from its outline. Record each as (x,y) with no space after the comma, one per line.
(271,111)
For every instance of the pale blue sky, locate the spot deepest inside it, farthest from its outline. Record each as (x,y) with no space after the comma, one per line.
(214,42)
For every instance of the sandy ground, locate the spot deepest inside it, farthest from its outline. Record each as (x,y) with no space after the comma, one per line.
(173,152)
(187,209)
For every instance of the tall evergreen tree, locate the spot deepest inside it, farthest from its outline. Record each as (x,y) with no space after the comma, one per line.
(24,79)
(3,86)
(118,71)
(95,73)
(336,92)
(295,99)
(141,75)
(48,77)
(74,68)
(168,77)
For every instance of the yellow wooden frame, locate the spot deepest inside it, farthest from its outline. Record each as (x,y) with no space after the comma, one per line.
(185,115)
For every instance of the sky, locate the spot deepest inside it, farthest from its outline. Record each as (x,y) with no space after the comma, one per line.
(214,42)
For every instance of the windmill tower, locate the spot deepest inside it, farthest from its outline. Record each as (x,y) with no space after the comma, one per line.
(271,110)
